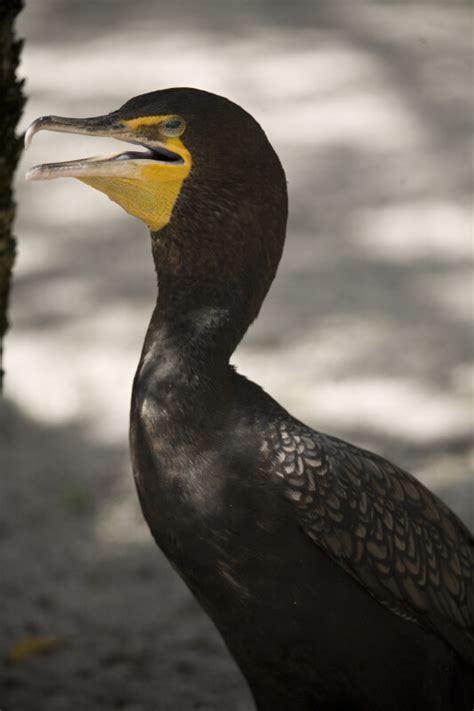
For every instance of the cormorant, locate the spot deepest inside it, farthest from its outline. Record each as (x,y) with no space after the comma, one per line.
(337,580)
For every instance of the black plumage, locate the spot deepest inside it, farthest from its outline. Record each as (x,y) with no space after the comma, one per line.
(337,580)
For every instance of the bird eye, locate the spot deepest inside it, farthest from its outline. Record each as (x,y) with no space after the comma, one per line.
(173,126)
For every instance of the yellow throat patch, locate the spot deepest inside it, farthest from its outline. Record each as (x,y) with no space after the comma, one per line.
(151,189)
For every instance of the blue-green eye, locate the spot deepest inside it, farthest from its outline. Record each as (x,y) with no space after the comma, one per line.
(174,126)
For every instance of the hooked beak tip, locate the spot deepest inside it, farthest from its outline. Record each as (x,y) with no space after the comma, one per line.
(35,126)
(28,136)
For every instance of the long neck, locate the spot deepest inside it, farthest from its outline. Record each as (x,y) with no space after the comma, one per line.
(192,341)
(207,298)
(215,262)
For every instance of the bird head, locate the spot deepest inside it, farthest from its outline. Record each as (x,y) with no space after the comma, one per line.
(204,178)
(177,135)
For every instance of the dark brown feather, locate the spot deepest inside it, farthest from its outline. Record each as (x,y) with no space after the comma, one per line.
(387,530)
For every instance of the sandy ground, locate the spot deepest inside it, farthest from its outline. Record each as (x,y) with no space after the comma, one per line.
(365,334)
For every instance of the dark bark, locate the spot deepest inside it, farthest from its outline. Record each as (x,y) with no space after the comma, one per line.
(12,102)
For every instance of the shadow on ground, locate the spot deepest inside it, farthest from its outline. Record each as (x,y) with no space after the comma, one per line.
(80,567)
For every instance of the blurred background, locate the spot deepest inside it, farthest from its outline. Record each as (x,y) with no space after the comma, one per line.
(365,334)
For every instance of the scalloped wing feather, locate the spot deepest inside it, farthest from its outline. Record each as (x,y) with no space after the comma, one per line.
(387,530)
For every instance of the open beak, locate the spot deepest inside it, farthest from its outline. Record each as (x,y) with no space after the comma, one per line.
(144,182)
(129,164)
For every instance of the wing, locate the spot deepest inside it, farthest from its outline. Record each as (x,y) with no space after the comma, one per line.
(383,527)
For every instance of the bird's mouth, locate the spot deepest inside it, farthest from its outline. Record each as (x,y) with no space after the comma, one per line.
(145,182)
(128,164)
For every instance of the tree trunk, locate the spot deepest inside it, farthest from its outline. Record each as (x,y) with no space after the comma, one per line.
(12,101)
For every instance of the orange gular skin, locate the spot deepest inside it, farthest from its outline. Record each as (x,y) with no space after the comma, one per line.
(152,194)
(153,190)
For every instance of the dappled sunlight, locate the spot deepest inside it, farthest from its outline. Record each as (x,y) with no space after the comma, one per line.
(387,406)
(453,294)
(392,407)
(373,283)
(413,231)
(89,379)
(365,333)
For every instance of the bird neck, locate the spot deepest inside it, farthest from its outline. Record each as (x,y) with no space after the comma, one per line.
(187,340)
(215,262)
(194,329)
(203,310)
